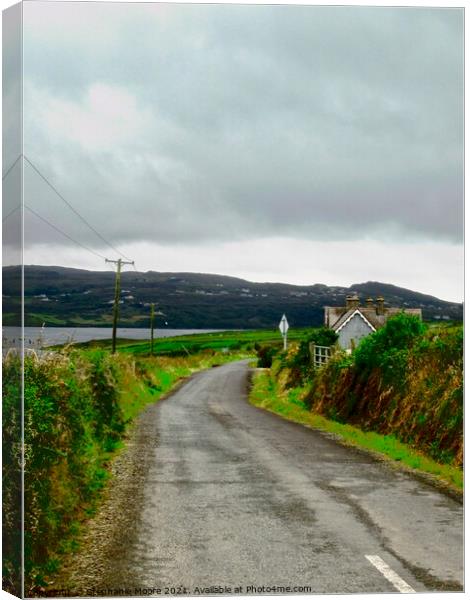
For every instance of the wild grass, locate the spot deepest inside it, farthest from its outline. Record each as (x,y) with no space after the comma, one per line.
(404,380)
(289,404)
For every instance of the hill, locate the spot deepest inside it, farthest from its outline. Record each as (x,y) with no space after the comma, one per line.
(75,297)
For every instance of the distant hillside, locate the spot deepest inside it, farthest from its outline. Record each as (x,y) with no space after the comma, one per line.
(75,297)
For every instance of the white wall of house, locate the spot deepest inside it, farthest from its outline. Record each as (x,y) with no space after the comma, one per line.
(355,329)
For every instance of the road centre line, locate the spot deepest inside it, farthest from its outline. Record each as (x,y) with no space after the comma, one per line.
(395,579)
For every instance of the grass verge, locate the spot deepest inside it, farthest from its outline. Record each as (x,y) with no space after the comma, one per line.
(265,394)
(157,376)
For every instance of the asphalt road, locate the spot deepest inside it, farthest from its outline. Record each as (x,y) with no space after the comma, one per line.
(234,496)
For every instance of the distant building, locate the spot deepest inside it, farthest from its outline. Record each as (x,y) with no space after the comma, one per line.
(353,321)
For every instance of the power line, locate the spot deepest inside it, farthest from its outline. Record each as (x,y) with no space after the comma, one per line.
(11,167)
(56,191)
(65,234)
(11,212)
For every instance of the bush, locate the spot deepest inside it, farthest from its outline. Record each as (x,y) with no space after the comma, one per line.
(265,354)
(12,476)
(387,348)
(404,380)
(301,361)
(324,336)
(72,419)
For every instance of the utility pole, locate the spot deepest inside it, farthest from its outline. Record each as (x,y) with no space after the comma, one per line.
(117,294)
(152,314)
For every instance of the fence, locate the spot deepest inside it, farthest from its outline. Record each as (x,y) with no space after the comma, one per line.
(320,354)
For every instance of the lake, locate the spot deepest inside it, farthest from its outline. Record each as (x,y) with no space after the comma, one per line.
(36,337)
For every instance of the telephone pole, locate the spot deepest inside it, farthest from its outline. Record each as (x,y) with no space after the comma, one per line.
(117,294)
(152,314)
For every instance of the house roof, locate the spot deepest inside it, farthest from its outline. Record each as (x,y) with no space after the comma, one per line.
(348,315)
(338,316)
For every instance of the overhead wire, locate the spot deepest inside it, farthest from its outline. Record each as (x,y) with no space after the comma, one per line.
(11,212)
(63,233)
(11,167)
(4,176)
(73,209)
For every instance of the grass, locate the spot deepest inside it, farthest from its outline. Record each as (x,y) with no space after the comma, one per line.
(264,394)
(193,343)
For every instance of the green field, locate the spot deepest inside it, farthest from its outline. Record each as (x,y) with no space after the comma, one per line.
(194,343)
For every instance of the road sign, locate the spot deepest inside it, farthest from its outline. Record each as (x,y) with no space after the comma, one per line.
(284,325)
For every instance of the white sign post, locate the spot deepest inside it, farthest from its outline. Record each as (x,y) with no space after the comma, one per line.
(283,327)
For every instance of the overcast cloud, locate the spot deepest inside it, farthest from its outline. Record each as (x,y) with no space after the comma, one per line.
(213,127)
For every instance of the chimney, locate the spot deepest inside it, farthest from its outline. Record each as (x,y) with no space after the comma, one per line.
(370,302)
(380,306)
(352,301)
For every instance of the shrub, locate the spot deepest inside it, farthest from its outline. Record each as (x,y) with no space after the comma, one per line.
(405,380)
(300,361)
(324,336)
(388,347)
(11,471)
(265,354)
(72,419)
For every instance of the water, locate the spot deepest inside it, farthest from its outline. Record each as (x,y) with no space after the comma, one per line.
(36,337)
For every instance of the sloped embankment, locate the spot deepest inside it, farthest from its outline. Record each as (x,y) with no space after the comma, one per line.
(405,381)
(412,389)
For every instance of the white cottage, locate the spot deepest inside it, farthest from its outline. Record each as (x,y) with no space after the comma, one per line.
(353,321)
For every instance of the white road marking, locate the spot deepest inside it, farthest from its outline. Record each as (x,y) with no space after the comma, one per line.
(390,574)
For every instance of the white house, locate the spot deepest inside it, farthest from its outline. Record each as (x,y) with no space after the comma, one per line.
(353,321)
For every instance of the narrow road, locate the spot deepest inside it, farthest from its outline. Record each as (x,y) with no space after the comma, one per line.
(235,496)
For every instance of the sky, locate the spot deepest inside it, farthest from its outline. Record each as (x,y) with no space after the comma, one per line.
(301,144)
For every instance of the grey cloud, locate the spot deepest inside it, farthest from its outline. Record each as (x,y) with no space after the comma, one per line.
(318,123)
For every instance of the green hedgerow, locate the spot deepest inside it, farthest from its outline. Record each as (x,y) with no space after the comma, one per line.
(387,348)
